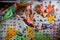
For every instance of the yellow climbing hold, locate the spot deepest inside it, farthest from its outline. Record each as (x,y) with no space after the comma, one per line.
(8,25)
(50,19)
(30,33)
(10,33)
(29,28)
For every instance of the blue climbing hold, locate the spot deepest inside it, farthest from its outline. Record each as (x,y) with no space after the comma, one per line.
(18,18)
(59,31)
(20,26)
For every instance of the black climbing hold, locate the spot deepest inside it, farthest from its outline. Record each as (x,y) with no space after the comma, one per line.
(41,20)
(14,22)
(34,20)
(44,26)
(14,18)
(22,10)
(37,16)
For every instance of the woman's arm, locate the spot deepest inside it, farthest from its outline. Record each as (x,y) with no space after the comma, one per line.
(34,14)
(19,17)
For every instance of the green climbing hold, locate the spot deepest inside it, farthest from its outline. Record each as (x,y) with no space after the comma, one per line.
(1,19)
(19,38)
(24,2)
(11,22)
(29,31)
(41,36)
(1,31)
(19,34)
(26,38)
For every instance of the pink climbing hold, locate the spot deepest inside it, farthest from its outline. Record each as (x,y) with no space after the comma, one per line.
(54,27)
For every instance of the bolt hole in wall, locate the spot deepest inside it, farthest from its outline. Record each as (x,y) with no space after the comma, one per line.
(31,21)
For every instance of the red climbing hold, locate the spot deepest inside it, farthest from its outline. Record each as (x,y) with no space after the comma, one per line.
(14,24)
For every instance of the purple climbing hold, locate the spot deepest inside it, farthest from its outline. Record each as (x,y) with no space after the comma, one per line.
(58,19)
(59,23)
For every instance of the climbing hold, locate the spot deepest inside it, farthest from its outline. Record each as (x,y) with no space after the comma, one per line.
(44,26)
(45,2)
(10,18)
(8,25)
(41,20)
(45,20)
(7,14)
(1,31)
(10,21)
(24,30)
(14,18)
(37,16)
(20,26)
(59,31)
(19,34)
(18,18)
(14,24)
(4,21)
(10,33)
(54,27)
(57,2)
(34,20)
(50,19)
(19,38)
(24,2)
(58,19)
(5,25)
(23,10)
(18,23)
(41,36)
(29,31)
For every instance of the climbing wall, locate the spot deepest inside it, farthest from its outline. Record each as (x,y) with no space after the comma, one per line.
(15,29)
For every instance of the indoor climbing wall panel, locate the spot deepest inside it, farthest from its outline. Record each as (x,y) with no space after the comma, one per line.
(15,29)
